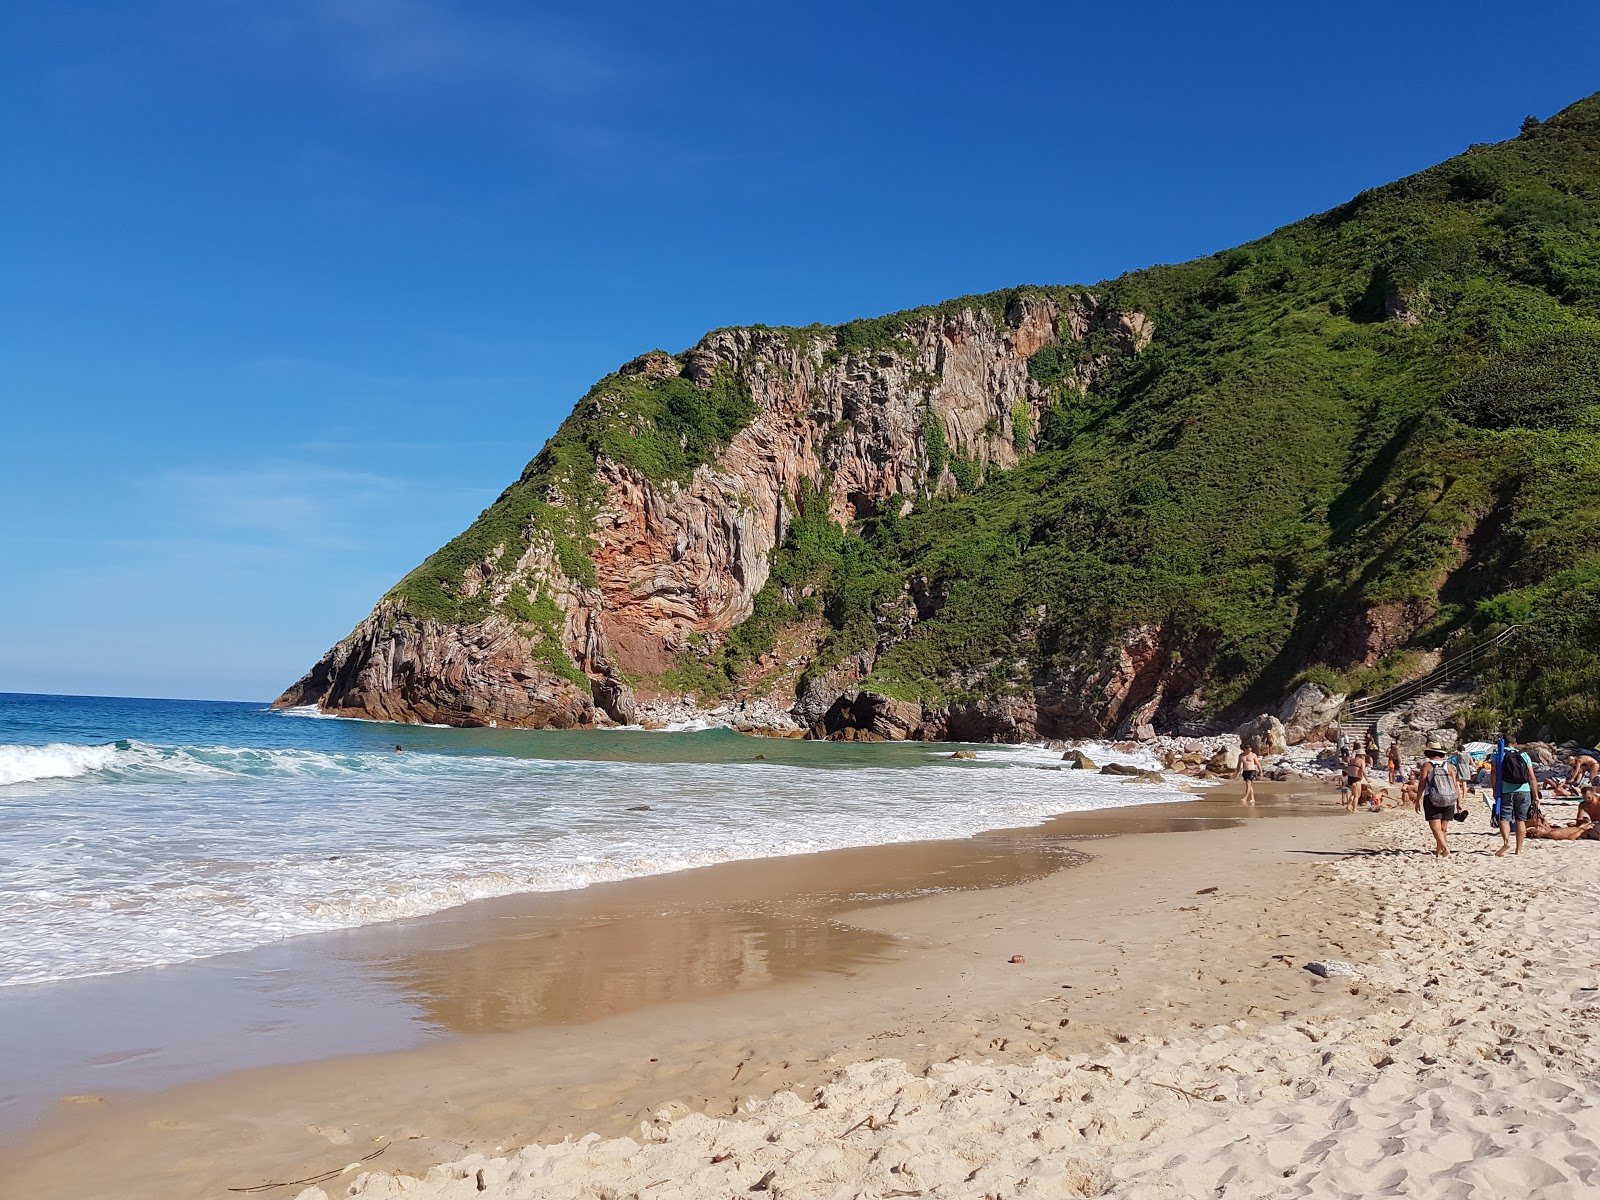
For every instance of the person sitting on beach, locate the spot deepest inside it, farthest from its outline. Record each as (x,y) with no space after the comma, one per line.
(1249,771)
(1382,796)
(1411,792)
(1589,803)
(1517,787)
(1585,769)
(1355,775)
(1440,792)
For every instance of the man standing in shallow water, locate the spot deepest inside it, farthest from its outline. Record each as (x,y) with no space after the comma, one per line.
(1249,771)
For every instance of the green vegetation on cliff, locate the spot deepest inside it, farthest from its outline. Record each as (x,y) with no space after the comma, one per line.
(1394,406)
(1384,415)
(658,424)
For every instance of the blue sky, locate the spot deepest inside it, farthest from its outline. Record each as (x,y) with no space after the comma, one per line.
(290,289)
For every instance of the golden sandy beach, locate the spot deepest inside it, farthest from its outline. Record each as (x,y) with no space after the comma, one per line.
(1458,1065)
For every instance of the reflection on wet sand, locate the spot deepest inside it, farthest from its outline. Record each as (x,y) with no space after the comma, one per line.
(552,958)
(578,956)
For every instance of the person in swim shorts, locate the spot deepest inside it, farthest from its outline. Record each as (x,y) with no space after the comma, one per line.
(1517,789)
(1249,771)
(1539,828)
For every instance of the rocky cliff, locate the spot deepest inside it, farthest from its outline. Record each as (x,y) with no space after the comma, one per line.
(671,565)
(1324,456)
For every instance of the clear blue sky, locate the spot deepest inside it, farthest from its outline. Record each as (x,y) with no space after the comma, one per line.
(290,289)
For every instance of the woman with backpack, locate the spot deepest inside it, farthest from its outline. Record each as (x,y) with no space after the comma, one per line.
(1440,794)
(1516,791)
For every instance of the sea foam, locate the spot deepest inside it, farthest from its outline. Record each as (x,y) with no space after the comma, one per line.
(131,854)
(58,760)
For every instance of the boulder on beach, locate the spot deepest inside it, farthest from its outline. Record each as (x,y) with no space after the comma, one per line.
(1225,761)
(1307,713)
(1129,771)
(1264,735)
(1079,760)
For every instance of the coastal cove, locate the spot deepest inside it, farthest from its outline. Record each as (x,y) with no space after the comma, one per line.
(928,975)
(141,833)
(193,888)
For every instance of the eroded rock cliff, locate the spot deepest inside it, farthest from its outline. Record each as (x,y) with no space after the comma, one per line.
(599,584)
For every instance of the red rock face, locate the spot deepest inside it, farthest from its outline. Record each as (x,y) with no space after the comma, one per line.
(680,564)
(1363,638)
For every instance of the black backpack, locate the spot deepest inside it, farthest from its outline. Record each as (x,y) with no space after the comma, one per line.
(1514,769)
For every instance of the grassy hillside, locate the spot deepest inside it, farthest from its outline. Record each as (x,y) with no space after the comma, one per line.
(1393,403)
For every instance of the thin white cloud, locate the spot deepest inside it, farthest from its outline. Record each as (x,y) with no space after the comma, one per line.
(408,42)
(303,504)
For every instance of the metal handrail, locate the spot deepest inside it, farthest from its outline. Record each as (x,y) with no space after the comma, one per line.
(1450,668)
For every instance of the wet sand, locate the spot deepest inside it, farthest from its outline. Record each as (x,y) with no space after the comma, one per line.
(527,1018)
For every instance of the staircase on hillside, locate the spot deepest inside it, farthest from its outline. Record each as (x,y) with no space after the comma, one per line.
(1364,714)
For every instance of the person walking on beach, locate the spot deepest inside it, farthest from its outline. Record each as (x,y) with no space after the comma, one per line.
(1249,771)
(1440,794)
(1395,773)
(1355,773)
(1516,791)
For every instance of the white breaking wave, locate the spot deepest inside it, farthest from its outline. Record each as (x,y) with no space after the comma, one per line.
(58,760)
(142,854)
(307,710)
(138,761)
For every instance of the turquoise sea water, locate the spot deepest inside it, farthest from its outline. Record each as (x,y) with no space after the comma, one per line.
(135,833)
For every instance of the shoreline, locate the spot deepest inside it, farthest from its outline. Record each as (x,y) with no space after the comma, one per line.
(390,985)
(718,1044)
(496,813)
(1458,1067)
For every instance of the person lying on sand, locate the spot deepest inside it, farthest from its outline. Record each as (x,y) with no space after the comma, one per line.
(1539,827)
(1375,797)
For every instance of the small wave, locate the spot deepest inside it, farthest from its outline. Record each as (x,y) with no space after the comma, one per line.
(305,710)
(58,760)
(133,761)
